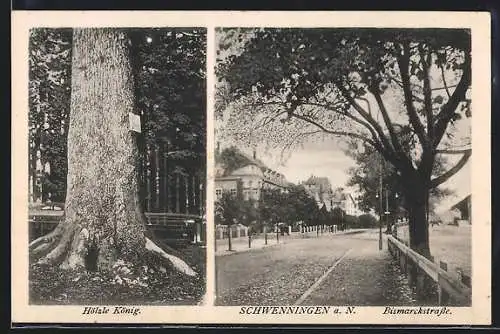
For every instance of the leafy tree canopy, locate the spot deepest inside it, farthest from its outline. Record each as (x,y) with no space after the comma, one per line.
(170,78)
(394,89)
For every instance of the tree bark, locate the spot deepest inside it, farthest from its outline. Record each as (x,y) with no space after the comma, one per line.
(416,195)
(103,220)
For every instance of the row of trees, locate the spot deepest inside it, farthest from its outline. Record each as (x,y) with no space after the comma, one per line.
(274,206)
(288,208)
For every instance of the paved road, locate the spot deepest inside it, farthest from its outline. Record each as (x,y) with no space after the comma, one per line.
(331,270)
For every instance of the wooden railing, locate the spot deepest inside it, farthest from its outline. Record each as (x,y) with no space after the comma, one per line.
(174,229)
(433,284)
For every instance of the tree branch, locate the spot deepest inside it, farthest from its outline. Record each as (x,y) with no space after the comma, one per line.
(444,82)
(296,137)
(452,171)
(367,117)
(350,116)
(427,92)
(388,123)
(448,110)
(444,151)
(403,63)
(332,132)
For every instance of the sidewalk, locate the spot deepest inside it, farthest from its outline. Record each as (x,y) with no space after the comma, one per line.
(365,277)
(239,245)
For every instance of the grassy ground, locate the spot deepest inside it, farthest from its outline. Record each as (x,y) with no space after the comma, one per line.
(51,285)
(451,244)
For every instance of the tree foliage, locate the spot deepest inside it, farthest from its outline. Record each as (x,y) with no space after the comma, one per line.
(169,66)
(228,209)
(370,166)
(367,221)
(49,96)
(232,159)
(288,207)
(401,91)
(171,86)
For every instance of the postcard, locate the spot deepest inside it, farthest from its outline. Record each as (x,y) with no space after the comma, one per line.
(251,167)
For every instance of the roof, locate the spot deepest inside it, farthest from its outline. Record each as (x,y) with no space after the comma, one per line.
(245,160)
(461,203)
(321,181)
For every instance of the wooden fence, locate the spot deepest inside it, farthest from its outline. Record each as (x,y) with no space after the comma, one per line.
(174,229)
(433,284)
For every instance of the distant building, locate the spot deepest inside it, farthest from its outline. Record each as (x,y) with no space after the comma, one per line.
(345,200)
(248,179)
(320,189)
(464,207)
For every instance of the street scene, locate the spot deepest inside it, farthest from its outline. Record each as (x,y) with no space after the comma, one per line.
(117,166)
(342,167)
(344,269)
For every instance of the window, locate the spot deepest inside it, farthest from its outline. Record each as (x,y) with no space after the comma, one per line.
(250,184)
(218,193)
(233,192)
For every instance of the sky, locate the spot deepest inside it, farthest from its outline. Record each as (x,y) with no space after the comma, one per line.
(326,159)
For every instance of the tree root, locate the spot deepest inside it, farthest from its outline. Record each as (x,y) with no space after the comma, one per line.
(174,260)
(76,257)
(68,246)
(60,250)
(48,238)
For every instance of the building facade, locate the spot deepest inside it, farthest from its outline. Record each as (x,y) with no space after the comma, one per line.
(249,179)
(321,190)
(346,201)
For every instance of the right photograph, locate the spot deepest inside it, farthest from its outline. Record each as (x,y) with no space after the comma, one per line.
(342,167)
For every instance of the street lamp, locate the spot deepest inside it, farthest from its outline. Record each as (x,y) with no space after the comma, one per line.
(379,196)
(386,212)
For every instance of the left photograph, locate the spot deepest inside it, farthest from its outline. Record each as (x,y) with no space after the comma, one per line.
(117,166)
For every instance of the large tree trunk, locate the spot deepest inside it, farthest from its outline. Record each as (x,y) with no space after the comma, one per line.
(103,220)
(416,195)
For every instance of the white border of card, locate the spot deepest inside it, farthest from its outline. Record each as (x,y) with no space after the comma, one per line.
(478,22)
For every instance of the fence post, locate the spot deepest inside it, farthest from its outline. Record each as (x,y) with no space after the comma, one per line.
(198,232)
(443,265)
(440,294)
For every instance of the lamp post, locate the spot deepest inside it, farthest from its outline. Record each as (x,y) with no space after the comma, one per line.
(381,203)
(386,212)
(379,196)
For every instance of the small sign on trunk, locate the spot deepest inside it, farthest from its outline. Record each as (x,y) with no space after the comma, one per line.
(134,122)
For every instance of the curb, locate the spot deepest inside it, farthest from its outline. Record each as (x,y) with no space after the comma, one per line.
(233,252)
(228,253)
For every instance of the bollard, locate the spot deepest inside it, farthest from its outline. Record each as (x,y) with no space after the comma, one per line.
(249,241)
